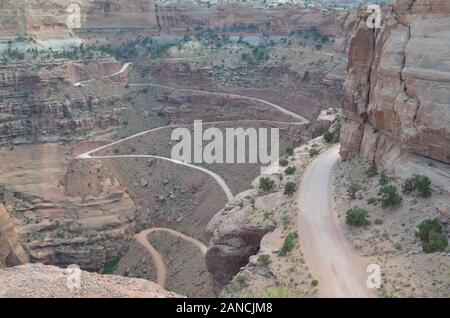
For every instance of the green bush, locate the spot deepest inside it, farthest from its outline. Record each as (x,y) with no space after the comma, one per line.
(289,243)
(328,136)
(241,279)
(354,187)
(313,152)
(266,184)
(432,236)
(422,184)
(337,130)
(289,151)
(111,266)
(389,196)
(290,170)
(383,179)
(372,170)
(290,188)
(264,260)
(357,217)
(314,282)
(284,162)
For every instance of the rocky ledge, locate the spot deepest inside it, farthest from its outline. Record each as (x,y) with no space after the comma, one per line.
(43,281)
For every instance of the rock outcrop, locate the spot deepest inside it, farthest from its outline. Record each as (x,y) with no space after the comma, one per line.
(397,91)
(44,281)
(66,212)
(236,235)
(11,251)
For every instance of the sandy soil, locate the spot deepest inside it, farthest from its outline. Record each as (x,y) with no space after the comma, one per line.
(391,240)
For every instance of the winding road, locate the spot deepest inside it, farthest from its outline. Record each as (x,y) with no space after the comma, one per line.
(339,269)
(142,238)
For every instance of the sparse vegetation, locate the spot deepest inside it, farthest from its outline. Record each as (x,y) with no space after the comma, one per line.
(290,188)
(289,151)
(422,184)
(389,196)
(354,187)
(383,179)
(289,243)
(111,266)
(290,170)
(284,162)
(264,260)
(328,136)
(372,171)
(357,217)
(433,238)
(266,184)
(313,152)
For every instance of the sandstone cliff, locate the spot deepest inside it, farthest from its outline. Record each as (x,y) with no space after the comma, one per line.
(50,19)
(11,251)
(397,91)
(43,281)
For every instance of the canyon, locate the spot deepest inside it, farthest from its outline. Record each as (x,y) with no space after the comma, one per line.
(89,100)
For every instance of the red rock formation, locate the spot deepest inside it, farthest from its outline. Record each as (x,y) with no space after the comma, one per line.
(397,91)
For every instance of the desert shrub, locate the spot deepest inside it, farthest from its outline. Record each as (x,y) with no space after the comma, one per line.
(111,266)
(433,238)
(241,279)
(373,201)
(288,244)
(289,151)
(290,170)
(383,179)
(286,221)
(398,246)
(328,136)
(314,282)
(289,188)
(357,217)
(284,162)
(313,152)
(337,130)
(422,184)
(264,260)
(389,196)
(354,187)
(372,170)
(266,184)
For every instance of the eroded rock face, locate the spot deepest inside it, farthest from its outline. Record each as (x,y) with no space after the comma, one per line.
(44,281)
(11,251)
(66,211)
(397,91)
(53,19)
(236,232)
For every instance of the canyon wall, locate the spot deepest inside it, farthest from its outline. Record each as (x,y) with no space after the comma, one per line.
(397,90)
(51,19)
(11,251)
